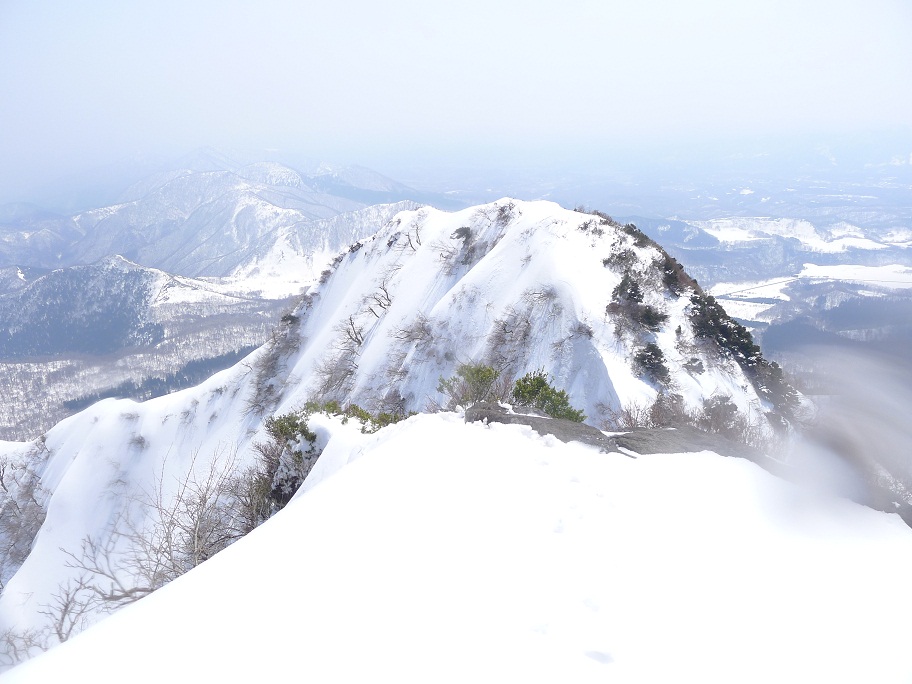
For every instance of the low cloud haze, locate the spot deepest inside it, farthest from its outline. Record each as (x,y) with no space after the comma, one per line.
(414,88)
(859,442)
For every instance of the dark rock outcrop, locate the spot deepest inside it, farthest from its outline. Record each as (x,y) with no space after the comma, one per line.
(564,430)
(638,441)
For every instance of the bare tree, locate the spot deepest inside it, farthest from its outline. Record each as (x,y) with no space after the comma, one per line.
(160,535)
(18,646)
(70,607)
(22,509)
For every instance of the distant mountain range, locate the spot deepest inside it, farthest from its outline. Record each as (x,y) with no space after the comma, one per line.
(190,264)
(196,222)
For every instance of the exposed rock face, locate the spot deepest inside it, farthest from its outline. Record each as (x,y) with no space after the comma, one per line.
(683,439)
(639,441)
(564,430)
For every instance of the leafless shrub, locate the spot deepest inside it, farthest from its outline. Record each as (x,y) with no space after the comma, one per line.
(625,328)
(137,441)
(161,534)
(352,331)
(505,213)
(284,341)
(627,417)
(412,239)
(334,373)
(70,607)
(381,299)
(509,338)
(17,646)
(592,227)
(539,297)
(447,254)
(186,415)
(419,330)
(583,330)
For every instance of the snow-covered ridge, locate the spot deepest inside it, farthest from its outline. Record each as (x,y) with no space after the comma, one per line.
(454,553)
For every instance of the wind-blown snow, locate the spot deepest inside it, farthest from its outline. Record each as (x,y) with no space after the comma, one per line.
(450,552)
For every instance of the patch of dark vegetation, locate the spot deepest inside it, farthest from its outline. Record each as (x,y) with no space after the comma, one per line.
(627,300)
(650,361)
(534,390)
(709,321)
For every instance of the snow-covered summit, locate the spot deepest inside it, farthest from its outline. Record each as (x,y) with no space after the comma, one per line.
(516,285)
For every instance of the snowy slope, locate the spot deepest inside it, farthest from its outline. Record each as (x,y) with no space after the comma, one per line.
(521,285)
(517,285)
(453,553)
(94,465)
(295,255)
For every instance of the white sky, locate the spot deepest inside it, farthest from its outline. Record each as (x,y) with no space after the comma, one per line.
(364,81)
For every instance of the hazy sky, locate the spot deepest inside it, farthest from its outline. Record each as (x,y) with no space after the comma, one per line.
(391,83)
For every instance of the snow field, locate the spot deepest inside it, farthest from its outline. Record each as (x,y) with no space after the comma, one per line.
(451,552)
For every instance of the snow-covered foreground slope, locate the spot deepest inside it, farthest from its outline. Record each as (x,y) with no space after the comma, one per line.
(449,552)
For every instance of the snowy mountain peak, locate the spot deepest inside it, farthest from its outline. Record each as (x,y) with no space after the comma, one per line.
(519,286)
